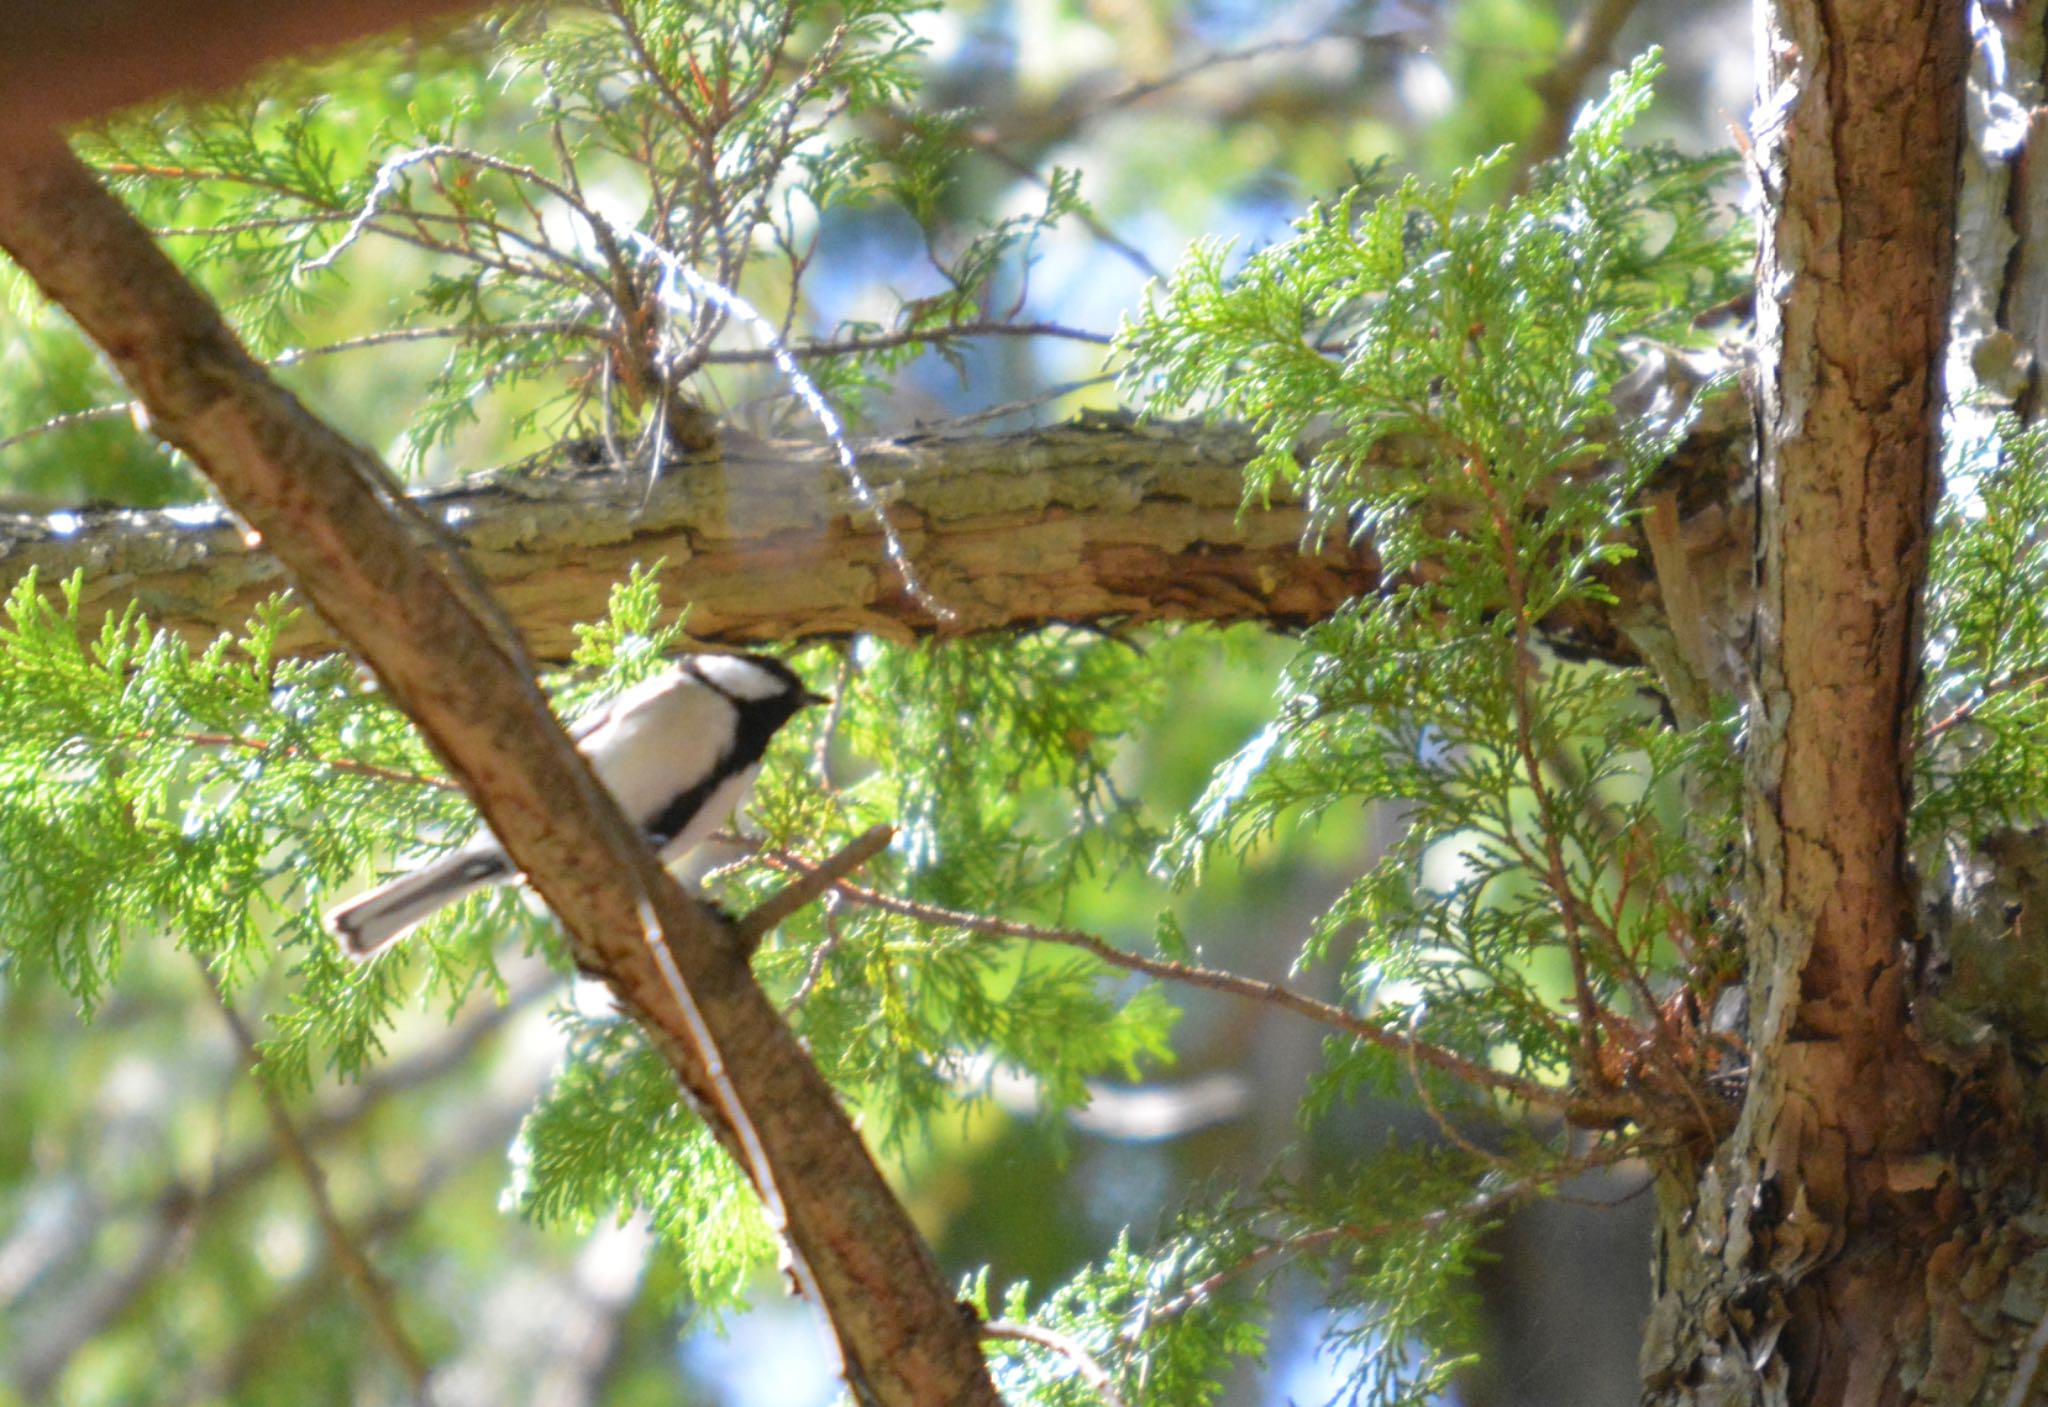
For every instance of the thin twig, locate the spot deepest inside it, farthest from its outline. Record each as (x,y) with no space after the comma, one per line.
(371,1288)
(657,75)
(394,166)
(1451,1132)
(1555,871)
(1967,710)
(814,970)
(1589,45)
(1095,225)
(756,356)
(911,337)
(1138,92)
(263,746)
(1066,1346)
(1305,1241)
(751,927)
(458,332)
(821,751)
(1272,993)
(954,423)
(68,421)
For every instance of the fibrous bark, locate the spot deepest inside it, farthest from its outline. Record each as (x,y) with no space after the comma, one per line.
(1813,1259)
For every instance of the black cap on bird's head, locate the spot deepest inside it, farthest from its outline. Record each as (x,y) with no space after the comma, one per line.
(766,693)
(751,678)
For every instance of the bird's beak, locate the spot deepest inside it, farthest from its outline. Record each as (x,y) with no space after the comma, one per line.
(816,698)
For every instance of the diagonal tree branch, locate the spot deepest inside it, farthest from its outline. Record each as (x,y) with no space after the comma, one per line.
(400,595)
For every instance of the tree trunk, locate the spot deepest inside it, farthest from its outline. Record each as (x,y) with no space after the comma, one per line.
(1854,1240)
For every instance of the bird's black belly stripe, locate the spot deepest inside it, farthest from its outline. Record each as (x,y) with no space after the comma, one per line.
(667,823)
(755,721)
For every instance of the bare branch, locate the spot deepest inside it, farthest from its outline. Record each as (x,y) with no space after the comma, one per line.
(371,1289)
(1595,1109)
(913,337)
(763,540)
(1587,47)
(1221,58)
(479,332)
(263,745)
(751,927)
(1102,519)
(1066,1346)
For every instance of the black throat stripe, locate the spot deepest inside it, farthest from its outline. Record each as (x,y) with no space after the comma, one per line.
(755,722)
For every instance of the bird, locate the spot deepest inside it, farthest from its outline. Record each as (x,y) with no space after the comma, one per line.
(679,752)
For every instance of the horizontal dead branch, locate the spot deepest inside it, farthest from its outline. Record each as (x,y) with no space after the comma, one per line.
(1097,520)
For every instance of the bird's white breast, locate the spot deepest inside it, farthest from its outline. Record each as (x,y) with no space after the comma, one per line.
(658,740)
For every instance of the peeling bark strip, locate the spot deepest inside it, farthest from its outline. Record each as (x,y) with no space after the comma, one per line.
(333,517)
(1798,1266)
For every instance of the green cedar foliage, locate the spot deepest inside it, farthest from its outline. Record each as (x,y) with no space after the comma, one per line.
(1429,370)
(714,131)
(1448,366)
(1983,762)
(219,801)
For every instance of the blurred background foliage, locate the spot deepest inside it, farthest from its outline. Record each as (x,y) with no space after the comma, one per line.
(1038,162)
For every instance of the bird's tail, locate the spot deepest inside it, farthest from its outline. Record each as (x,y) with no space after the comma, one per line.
(371,922)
